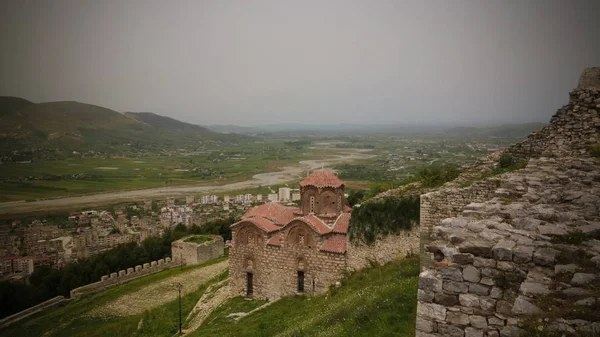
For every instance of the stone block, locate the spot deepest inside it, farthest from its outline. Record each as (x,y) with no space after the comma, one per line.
(534,288)
(457,318)
(479,322)
(450,330)
(425,325)
(424,296)
(522,254)
(121,273)
(479,289)
(153,264)
(445,299)
(484,263)
(471,274)
(455,287)
(168,260)
(462,258)
(161,261)
(129,271)
(431,311)
(453,274)
(477,247)
(468,300)
(473,332)
(545,256)
(146,265)
(113,275)
(104,278)
(487,304)
(138,268)
(581,279)
(524,306)
(503,250)
(429,281)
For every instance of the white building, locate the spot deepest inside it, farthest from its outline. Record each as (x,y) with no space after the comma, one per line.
(284,194)
(259,197)
(209,199)
(295,196)
(248,198)
(272,197)
(226,199)
(189,199)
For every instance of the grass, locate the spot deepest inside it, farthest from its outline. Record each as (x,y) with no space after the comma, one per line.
(377,301)
(198,238)
(71,319)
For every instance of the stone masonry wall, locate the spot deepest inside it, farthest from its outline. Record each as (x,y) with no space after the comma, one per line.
(45,306)
(197,253)
(519,254)
(123,276)
(384,249)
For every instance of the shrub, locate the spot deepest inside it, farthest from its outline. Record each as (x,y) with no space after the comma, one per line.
(383,217)
(506,161)
(595,151)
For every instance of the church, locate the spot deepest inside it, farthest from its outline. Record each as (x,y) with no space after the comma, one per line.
(279,250)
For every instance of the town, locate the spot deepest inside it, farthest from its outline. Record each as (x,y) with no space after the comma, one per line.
(55,242)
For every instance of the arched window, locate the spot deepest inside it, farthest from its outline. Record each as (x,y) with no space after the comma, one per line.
(339,202)
(312,204)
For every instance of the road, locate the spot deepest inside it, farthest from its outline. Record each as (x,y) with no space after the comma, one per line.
(288,173)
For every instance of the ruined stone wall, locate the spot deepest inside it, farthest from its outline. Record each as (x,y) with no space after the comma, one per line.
(123,276)
(191,253)
(385,249)
(45,306)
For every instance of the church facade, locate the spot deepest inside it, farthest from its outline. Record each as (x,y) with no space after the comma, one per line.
(279,250)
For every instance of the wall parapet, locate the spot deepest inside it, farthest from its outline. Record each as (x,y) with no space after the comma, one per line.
(50,304)
(123,276)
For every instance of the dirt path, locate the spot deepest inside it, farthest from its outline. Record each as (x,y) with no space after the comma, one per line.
(159,293)
(210,300)
(265,179)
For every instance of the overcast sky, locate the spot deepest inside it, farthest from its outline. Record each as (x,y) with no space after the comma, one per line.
(252,62)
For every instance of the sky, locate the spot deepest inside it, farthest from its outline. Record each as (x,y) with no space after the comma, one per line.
(251,62)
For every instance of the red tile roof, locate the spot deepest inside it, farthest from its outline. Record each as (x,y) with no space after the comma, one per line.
(335,244)
(341,224)
(315,223)
(274,211)
(259,222)
(322,178)
(275,241)
(347,209)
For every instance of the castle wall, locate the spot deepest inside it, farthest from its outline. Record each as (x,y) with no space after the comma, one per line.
(123,276)
(385,249)
(45,306)
(195,253)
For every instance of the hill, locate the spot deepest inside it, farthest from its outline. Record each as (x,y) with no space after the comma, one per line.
(28,127)
(376,301)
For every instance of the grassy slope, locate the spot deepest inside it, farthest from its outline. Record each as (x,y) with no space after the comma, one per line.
(70,321)
(379,301)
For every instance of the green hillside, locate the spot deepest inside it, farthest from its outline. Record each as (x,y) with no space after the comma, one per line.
(28,127)
(378,301)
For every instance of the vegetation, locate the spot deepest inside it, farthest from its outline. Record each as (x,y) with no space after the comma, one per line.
(389,215)
(377,301)
(508,163)
(47,282)
(435,176)
(73,319)
(198,239)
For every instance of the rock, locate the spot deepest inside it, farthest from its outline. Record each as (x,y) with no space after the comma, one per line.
(468,300)
(472,332)
(551,229)
(504,307)
(505,266)
(479,289)
(566,268)
(424,296)
(523,306)
(586,301)
(453,274)
(424,324)
(487,304)
(450,330)
(503,250)
(484,263)
(495,321)
(457,318)
(576,291)
(581,279)
(455,287)
(532,288)
(455,222)
(429,281)
(445,299)
(431,311)
(479,322)
(477,247)
(496,293)
(471,274)
(462,258)
(490,235)
(512,331)
(487,281)
(596,260)
(545,256)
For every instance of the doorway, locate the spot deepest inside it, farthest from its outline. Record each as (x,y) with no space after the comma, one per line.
(300,281)
(249,285)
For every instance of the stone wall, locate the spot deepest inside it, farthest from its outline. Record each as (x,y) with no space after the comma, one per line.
(45,306)
(123,276)
(190,253)
(385,249)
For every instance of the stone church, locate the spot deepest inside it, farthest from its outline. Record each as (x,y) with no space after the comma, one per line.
(279,250)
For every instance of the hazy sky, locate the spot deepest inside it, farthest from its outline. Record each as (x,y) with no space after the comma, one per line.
(251,62)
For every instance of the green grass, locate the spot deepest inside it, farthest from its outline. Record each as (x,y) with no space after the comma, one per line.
(377,301)
(71,320)
(198,238)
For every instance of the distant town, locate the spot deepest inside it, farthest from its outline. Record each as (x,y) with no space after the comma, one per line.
(55,242)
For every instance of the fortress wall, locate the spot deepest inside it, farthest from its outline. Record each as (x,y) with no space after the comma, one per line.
(193,253)
(383,250)
(45,306)
(115,279)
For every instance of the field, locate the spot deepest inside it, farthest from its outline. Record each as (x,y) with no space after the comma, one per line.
(378,301)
